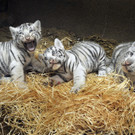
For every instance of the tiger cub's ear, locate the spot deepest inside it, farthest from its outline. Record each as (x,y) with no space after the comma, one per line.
(132,48)
(133,44)
(40,56)
(58,44)
(13,31)
(37,25)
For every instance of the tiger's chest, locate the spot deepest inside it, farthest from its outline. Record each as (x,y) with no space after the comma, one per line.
(20,56)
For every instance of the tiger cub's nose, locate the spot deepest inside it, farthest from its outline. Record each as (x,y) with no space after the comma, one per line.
(127,63)
(52,61)
(27,38)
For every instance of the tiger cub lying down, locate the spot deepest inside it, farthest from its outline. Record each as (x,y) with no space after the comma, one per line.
(123,60)
(83,58)
(16,54)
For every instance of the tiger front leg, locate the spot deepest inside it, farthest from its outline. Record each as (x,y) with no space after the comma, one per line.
(79,78)
(36,66)
(17,74)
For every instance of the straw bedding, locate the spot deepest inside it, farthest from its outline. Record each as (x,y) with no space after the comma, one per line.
(104,106)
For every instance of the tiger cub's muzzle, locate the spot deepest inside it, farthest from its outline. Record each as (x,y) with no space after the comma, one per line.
(55,64)
(127,65)
(30,45)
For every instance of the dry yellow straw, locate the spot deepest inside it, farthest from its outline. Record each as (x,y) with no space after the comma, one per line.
(103,106)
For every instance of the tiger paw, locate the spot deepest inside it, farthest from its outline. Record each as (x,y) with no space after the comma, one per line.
(21,85)
(74,90)
(102,73)
(53,82)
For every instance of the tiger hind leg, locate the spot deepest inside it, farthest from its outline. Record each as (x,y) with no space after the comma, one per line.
(110,68)
(102,69)
(55,80)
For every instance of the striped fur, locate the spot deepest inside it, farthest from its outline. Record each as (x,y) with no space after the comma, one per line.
(123,60)
(83,58)
(16,54)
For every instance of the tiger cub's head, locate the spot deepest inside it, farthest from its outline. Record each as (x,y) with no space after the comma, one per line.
(128,64)
(55,56)
(27,35)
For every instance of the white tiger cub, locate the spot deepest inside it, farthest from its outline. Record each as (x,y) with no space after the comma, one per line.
(83,58)
(16,54)
(123,60)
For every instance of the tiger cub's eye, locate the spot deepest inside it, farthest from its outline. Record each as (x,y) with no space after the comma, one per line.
(53,53)
(131,53)
(20,33)
(30,30)
(45,58)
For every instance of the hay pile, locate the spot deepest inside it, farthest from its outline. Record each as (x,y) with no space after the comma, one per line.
(104,106)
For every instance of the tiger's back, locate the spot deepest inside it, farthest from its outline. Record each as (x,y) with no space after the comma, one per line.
(90,54)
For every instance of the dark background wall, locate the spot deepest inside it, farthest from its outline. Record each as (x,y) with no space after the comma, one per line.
(113,19)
